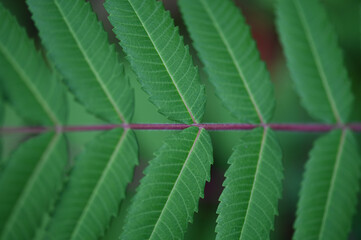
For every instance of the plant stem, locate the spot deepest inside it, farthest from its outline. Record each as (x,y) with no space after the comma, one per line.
(295,127)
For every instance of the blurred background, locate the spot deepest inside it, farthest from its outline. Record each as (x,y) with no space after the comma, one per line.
(345,16)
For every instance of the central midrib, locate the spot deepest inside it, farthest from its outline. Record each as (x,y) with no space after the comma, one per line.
(164,63)
(30,183)
(234,60)
(176,182)
(332,184)
(39,98)
(319,67)
(90,64)
(99,184)
(264,136)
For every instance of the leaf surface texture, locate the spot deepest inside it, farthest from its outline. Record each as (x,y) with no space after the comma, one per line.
(79,47)
(32,88)
(315,60)
(158,56)
(225,46)
(253,186)
(96,187)
(29,184)
(174,181)
(329,189)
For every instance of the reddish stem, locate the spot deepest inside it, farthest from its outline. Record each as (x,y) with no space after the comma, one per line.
(174,126)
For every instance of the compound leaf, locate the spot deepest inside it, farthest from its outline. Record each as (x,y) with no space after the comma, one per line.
(79,47)
(159,57)
(34,91)
(96,187)
(168,194)
(225,46)
(29,184)
(315,60)
(253,186)
(329,188)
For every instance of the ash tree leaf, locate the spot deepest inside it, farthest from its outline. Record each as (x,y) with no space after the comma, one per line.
(157,54)
(232,62)
(253,186)
(329,188)
(168,193)
(31,87)
(78,45)
(315,60)
(96,187)
(29,184)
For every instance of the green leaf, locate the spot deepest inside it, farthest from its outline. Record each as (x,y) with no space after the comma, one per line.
(225,46)
(2,111)
(253,186)
(159,57)
(29,184)
(315,60)
(79,47)
(33,90)
(168,193)
(96,187)
(1,107)
(329,188)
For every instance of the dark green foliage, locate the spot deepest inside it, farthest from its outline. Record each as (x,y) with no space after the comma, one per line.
(246,211)
(174,181)
(77,43)
(32,177)
(232,61)
(159,57)
(315,60)
(96,186)
(330,184)
(328,194)
(29,184)
(44,194)
(33,90)
(252,188)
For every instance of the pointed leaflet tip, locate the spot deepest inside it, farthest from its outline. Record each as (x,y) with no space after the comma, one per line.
(159,57)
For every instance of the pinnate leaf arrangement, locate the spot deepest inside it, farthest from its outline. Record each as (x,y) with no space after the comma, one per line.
(45,196)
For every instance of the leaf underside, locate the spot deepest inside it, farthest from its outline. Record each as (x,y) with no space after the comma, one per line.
(157,54)
(96,187)
(33,90)
(315,60)
(225,46)
(168,194)
(29,184)
(79,47)
(1,123)
(253,186)
(329,189)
